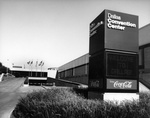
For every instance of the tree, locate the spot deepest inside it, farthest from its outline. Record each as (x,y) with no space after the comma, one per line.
(1,64)
(3,69)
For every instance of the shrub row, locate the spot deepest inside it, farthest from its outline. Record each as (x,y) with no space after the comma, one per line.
(65,103)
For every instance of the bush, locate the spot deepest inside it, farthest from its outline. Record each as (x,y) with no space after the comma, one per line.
(65,103)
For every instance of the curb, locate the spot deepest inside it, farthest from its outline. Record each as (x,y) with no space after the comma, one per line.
(11,115)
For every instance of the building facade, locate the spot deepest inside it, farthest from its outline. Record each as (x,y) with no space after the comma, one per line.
(144,54)
(77,70)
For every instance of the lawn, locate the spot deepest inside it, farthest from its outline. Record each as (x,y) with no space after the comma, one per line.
(65,103)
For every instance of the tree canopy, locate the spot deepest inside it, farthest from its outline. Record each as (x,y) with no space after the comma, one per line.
(3,69)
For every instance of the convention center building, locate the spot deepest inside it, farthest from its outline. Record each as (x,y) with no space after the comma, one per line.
(77,69)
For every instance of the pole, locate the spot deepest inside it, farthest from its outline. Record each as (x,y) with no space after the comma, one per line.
(36,67)
(31,67)
(41,70)
(36,71)
(31,70)
(7,67)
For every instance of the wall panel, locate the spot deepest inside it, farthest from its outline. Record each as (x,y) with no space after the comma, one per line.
(80,70)
(147,58)
(69,73)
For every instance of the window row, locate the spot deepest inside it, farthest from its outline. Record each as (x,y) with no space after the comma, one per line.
(77,71)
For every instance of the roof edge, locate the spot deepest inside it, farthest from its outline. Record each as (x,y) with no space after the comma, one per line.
(144,26)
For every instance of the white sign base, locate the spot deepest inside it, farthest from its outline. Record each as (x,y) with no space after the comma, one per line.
(119,97)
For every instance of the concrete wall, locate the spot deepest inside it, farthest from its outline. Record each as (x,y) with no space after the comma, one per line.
(144,35)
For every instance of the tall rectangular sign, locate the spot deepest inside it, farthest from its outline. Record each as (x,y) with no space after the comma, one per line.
(121,31)
(113,61)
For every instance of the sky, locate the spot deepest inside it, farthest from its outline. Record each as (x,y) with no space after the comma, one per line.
(54,31)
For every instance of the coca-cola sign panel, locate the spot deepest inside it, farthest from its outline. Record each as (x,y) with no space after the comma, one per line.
(122,84)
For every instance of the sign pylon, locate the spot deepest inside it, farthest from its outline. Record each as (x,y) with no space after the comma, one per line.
(113,61)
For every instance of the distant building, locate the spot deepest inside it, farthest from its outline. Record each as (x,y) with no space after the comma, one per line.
(144,48)
(24,72)
(52,72)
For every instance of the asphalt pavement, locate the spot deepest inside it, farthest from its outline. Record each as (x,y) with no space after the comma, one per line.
(10,91)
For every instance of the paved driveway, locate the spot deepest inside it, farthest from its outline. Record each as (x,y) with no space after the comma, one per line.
(9,95)
(10,91)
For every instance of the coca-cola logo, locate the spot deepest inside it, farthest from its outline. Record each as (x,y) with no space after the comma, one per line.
(94,84)
(123,85)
